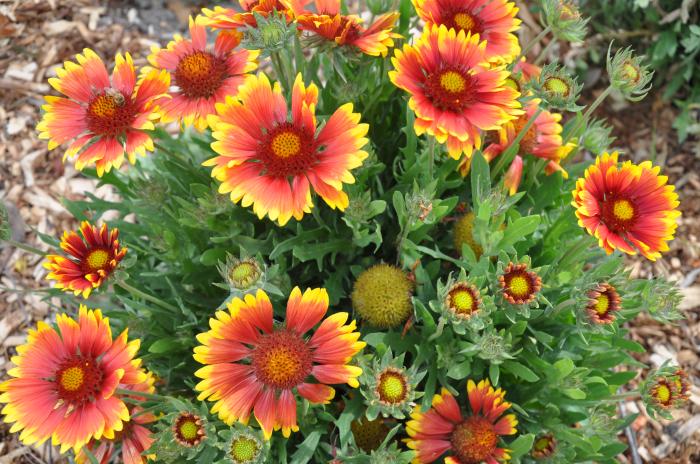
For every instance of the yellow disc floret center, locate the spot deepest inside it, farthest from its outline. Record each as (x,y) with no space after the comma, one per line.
(282,360)
(602,303)
(557,86)
(196,65)
(630,72)
(97,259)
(72,378)
(663,393)
(465,21)
(623,210)
(243,272)
(103,106)
(519,286)
(188,430)
(392,387)
(453,82)
(463,301)
(286,144)
(243,449)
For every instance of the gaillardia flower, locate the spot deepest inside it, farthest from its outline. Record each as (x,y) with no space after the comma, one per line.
(135,437)
(188,429)
(108,116)
(228,18)
(463,300)
(455,93)
(253,365)
(272,161)
(203,77)
(519,285)
(542,139)
(346,30)
(603,303)
(389,387)
(467,440)
(544,446)
(64,382)
(92,259)
(628,207)
(493,20)
(382,296)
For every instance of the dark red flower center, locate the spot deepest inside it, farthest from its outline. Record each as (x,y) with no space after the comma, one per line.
(619,214)
(282,359)
(110,113)
(450,89)
(200,74)
(78,380)
(529,140)
(465,20)
(474,440)
(288,150)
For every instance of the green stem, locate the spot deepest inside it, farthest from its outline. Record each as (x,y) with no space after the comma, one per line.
(91,457)
(431,157)
(150,396)
(545,51)
(510,152)
(145,296)
(281,71)
(584,120)
(438,330)
(634,394)
(25,247)
(532,43)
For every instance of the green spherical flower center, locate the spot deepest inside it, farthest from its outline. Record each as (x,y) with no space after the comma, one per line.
(557,86)
(189,429)
(392,387)
(244,449)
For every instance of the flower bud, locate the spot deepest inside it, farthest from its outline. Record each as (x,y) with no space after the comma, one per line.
(628,74)
(666,388)
(241,274)
(597,137)
(557,89)
(544,447)
(271,34)
(565,20)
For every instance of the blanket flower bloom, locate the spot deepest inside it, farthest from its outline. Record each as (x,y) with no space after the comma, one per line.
(272,161)
(93,258)
(108,116)
(630,207)
(63,386)
(542,139)
(346,30)
(135,437)
(519,285)
(493,20)
(455,93)
(229,18)
(468,440)
(603,303)
(203,76)
(251,364)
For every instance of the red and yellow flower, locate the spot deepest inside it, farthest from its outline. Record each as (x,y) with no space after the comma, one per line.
(542,139)
(203,77)
(64,383)
(630,207)
(346,30)
(228,18)
(272,161)
(254,365)
(135,438)
(493,20)
(92,258)
(519,285)
(106,115)
(455,93)
(470,439)
(603,304)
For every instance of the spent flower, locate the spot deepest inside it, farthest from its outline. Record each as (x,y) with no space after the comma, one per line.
(382,294)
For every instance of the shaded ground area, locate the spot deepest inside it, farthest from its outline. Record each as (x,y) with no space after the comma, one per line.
(38,35)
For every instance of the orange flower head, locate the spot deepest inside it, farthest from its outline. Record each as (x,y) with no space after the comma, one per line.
(188,429)
(346,30)
(272,161)
(493,20)
(135,437)
(63,386)
(253,365)
(106,115)
(228,18)
(542,139)
(519,285)
(92,259)
(444,430)
(603,303)
(202,76)
(630,207)
(455,92)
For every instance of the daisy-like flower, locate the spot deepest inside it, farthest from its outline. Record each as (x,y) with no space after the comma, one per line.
(493,20)
(228,18)
(64,382)
(202,76)
(108,116)
(135,438)
(254,365)
(542,139)
(519,285)
(92,258)
(544,446)
(346,30)
(455,93)
(188,429)
(603,303)
(630,207)
(463,300)
(470,439)
(272,161)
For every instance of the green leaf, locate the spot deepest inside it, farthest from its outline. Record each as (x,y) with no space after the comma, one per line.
(212,256)
(306,449)
(519,229)
(163,345)
(480,177)
(521,445)
(520,370)
(565,367)
(574,393)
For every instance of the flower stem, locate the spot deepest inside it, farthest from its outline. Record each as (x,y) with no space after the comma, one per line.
(584,119)
(136,292)
(630,395)
(510,152)
(25,247)
(545,51)
(532,43)
(150,396)
(431,157)
(281,70)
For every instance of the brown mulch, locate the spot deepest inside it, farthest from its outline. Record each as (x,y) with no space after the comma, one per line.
(38,35)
